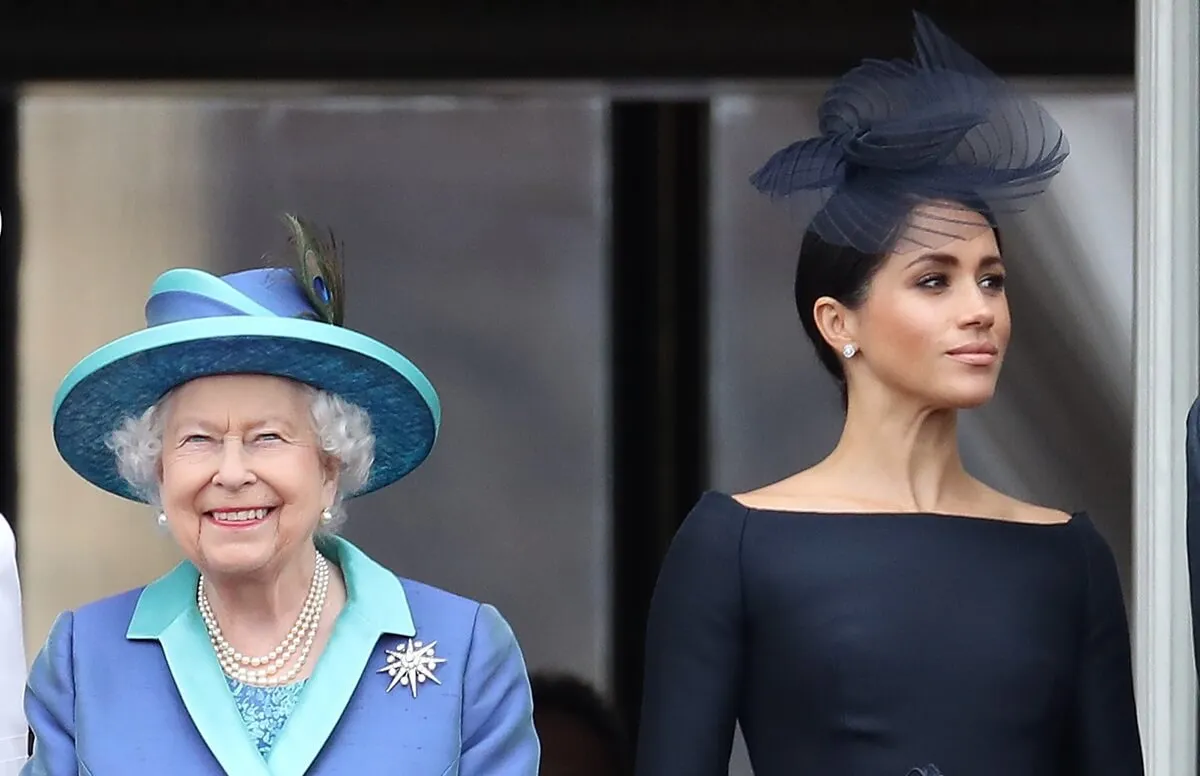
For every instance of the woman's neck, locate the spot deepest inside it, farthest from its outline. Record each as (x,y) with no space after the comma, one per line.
(262,606)
(900,453)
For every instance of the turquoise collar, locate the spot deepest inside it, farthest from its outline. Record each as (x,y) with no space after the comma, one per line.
(166,612)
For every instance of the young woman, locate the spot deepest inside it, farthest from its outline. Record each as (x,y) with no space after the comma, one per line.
(884,612)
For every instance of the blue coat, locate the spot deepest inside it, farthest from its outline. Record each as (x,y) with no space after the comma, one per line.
(131,685)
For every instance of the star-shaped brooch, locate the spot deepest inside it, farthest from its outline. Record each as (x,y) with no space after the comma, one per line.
(411,664)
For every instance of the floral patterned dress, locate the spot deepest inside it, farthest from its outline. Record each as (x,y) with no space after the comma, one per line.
(265,710)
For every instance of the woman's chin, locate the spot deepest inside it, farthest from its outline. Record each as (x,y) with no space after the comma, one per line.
(226,555)
(957,399)
(964,392)
(969,400)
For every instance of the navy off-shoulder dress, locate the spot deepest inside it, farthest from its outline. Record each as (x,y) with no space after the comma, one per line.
(872,644)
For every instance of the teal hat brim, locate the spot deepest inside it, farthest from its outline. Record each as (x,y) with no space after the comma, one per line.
(127,376)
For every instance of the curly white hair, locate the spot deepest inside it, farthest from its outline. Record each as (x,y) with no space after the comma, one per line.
(343,429)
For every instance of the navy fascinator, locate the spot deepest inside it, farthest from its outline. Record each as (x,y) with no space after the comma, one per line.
(898,136)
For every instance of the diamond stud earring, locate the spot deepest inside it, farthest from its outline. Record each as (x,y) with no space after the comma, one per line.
(849,349)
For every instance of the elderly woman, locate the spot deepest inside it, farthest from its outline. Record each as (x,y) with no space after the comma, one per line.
(246,414)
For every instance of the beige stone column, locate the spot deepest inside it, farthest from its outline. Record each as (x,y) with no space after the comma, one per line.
(113,193)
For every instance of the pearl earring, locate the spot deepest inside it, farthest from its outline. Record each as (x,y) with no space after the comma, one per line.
(162,519)
(326,515)
(849,349)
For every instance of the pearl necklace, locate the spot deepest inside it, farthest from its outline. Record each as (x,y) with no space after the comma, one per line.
(266,671)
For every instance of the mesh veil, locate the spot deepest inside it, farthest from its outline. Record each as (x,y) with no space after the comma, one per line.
(898,136)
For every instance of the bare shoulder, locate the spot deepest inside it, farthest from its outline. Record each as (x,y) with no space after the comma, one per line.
(811,490)
(781,495)
(821,490)
(1017,511)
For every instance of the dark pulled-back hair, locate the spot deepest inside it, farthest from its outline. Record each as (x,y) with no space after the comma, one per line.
(844,273)
(838,271)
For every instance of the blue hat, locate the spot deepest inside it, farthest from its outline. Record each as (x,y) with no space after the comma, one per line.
(261,321)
